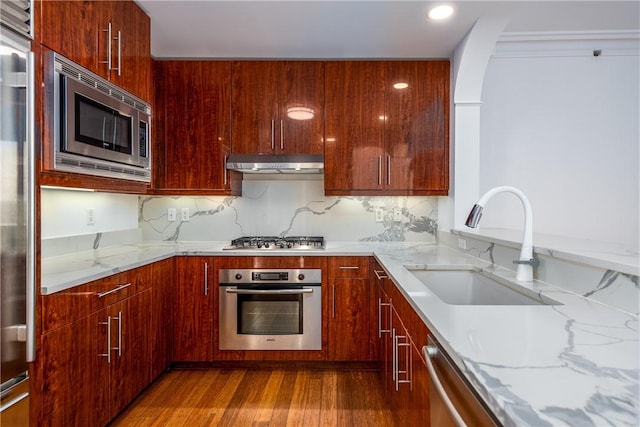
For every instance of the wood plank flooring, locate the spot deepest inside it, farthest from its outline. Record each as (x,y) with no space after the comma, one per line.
(261,397)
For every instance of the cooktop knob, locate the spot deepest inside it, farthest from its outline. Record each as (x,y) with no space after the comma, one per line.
(289,245)
(300,276)
(281,245)
(238,276)
(266,245)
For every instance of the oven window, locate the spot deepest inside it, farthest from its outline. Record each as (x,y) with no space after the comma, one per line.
(269,314)
(101,126)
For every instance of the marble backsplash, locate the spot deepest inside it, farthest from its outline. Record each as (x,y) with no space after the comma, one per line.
(290,208)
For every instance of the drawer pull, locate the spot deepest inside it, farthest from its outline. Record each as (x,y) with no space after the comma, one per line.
(380,274)
(349,267)
(113,291)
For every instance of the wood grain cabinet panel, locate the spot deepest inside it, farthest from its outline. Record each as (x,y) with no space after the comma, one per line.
(349,310)
(79,30)
(354,126)
(193,309)
(192,132)
(387,127)
(265,95)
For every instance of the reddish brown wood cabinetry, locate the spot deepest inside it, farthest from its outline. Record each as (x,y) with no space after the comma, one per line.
(397,339)
(192,127)
(193,309)
(387,127)
(96,351)
(79,30)
(265,96)
(349,310)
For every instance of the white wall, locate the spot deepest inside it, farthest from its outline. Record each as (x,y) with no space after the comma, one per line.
(64,212)
(563,126)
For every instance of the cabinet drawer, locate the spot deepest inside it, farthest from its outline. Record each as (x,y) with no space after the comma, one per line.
(349,267)
(75,303)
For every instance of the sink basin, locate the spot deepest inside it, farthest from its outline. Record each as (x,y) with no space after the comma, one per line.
(472,286)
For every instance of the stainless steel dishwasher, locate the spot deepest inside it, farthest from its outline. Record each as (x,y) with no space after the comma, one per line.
(453,402)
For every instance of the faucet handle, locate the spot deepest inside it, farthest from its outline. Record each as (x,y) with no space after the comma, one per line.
(533,262)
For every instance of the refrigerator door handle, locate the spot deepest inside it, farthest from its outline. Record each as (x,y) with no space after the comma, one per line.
(31,210)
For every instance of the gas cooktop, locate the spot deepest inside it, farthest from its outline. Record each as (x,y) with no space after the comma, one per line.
(276,243)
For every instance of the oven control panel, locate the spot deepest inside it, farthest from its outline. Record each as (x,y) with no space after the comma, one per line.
(265,276)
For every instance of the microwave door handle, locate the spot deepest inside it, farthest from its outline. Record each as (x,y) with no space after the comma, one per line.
(104,128)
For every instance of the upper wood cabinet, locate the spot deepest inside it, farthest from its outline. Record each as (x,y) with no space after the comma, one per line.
(277,107)
(191,127)
(110,38)
(387,127)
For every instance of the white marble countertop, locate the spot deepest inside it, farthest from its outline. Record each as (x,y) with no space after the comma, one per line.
(572,364)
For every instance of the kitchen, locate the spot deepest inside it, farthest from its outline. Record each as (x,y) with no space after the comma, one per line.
(532,101)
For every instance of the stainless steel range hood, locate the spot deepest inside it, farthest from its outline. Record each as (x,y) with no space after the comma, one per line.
(276,163)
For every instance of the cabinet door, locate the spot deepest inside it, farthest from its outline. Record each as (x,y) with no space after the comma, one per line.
(72,372)
(193,310)
(131,48)
(349,319)
(192,138)
(354,126)
(77,29)
(417,126)
(162,317)
(131,349)
(300,121)
(254,106)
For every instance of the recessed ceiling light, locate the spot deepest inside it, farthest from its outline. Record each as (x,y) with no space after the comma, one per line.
(400,85)
(439,13)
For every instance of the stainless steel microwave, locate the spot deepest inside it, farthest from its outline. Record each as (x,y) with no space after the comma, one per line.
(99,128)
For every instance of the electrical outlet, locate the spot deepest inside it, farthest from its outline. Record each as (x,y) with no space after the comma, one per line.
(184,212)
(171,214)
(397,214)
(91,216)
(462,244)
(379,214)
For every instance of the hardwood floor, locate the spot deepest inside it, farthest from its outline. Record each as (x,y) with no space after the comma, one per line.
(261,397)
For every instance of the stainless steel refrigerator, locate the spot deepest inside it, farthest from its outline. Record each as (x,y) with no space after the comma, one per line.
(17,338)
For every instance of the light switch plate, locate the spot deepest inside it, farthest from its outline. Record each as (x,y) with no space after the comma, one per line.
(379,214)
(462,244)
(184,213)
(171,214)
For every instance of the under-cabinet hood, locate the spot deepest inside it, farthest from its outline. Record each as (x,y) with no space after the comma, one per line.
(276,163)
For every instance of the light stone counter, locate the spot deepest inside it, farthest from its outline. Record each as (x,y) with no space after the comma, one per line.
(571,364)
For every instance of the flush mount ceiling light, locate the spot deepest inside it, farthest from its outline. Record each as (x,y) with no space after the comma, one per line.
(300,113)
(439,13)
(400,85)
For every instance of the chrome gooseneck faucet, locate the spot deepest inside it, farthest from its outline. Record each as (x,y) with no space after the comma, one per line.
(526,261)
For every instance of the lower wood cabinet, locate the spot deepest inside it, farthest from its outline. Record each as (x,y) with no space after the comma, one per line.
(97,349)
(396,346)
(193,309)
(348,318)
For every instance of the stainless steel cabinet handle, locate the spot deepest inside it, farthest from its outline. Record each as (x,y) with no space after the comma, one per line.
(388,170)
(108,61)
(119,38)
(31,209)
(206,278)
(380,274)
(430,351)
(333,301)
(407,361)
(273,131)
(349,267)
(108,353)
(380,330)
(268,292)
(119,347)
(113,291)
(224,166)
(13,401)
(379,170)
(394,356)
(281,134)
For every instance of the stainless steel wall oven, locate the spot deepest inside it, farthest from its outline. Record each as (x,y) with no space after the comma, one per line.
(265,309)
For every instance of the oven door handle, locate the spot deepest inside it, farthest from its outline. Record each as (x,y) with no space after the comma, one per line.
(269,292)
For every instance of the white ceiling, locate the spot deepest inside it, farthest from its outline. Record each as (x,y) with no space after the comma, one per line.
(356,29)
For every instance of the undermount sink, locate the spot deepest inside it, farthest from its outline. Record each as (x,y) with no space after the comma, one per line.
(471,286)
